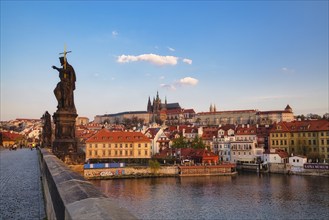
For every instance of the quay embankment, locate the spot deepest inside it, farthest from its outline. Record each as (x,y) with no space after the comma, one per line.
(104,171)
(70,196)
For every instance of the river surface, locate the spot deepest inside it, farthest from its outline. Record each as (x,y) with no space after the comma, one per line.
(245,196)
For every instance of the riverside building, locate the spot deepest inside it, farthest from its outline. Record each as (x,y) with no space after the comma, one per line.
(301,137)
(118,145)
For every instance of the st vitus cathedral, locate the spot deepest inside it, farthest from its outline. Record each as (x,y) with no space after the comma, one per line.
(158,111)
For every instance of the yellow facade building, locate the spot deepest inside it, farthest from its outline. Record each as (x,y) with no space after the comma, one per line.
(107,144)
(301,137)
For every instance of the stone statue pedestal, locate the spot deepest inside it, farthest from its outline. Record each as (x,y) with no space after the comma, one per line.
(65,144)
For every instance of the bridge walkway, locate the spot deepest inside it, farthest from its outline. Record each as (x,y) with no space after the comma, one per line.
(21,195)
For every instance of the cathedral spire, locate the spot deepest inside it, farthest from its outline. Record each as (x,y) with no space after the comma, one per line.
(149,105)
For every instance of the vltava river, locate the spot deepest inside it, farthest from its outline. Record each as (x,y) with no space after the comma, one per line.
(246,196)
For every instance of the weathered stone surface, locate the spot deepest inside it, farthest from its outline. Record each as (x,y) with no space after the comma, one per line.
(73,197)
(97,208)
(20,185)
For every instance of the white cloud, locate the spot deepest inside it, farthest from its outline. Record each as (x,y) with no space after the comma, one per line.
(171,49)
(152,58)
(168,86)
(188,61)
(114,33)
(161,77)
(188,81)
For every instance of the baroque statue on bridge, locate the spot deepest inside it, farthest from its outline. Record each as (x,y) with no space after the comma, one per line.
(66,86)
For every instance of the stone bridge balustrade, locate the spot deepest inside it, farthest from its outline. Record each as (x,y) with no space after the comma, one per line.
(69,196)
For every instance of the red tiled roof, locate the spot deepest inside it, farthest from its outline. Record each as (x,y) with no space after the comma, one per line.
(10,136)
(251,130)
(301,126)
(152,131)
(189,111)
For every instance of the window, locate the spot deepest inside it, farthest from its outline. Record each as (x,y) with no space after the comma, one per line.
(139,145)
(145,152)
(131,145)
(95,152)
(297,160)
(90,153)
(103,145)
(292,142)
(116,145)
(293,160)
(95,145)
(314,142)
(145,145)
(120,145)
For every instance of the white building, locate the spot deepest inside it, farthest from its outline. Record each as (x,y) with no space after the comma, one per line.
(276,156)
(297,161)
(245,147)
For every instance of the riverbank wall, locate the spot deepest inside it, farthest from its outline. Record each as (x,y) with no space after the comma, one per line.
(163,171)
(285,168)
(70,196)
(130,172)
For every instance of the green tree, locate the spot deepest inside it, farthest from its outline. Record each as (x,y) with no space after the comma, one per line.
(197,143)
(154,165)
(179,143)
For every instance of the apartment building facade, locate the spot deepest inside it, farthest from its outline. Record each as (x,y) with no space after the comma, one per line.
(107,144)
(301,137)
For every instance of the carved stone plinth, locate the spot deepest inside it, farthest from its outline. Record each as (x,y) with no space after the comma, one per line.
(65,144)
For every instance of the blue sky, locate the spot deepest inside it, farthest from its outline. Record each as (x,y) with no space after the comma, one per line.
(237,55)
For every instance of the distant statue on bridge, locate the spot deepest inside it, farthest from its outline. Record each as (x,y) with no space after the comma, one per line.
(46,130)
(66,86)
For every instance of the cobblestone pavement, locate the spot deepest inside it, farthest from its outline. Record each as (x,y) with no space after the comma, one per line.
(21,195)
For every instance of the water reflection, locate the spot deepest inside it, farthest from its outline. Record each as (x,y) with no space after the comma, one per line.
(246,196)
